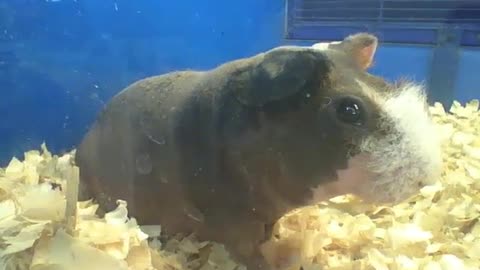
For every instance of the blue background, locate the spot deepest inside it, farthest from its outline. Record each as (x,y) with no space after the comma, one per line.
(72,56)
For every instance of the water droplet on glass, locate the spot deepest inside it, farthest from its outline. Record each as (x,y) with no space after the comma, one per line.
(163,180)
(143,164)
(159,140)
(195,215)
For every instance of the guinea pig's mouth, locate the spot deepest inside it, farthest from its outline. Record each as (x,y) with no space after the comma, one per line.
(391,186)
(355,179)
(364,179)
(352,149)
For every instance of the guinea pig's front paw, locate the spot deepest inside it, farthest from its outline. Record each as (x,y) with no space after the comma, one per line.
(283,254)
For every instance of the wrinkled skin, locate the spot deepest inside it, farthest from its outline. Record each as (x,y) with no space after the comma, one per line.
(225,153)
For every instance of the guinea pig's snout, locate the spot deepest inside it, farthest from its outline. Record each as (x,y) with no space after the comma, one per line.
(407,156)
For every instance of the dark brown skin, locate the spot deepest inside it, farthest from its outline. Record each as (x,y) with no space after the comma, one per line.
(225,153)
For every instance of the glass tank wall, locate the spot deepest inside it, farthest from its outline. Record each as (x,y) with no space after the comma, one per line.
(226,135)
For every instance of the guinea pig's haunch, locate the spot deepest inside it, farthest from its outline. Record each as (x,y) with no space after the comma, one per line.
(225,153)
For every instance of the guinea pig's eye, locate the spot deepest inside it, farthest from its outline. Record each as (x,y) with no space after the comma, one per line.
(349,111)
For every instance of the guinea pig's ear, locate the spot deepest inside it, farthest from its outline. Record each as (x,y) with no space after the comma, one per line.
(274,75)
(361,47)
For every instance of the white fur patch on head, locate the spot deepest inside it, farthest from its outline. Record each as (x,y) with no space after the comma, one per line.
(324,45)
(408,155)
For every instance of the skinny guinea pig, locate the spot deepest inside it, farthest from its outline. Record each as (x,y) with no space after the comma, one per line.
(225,153)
